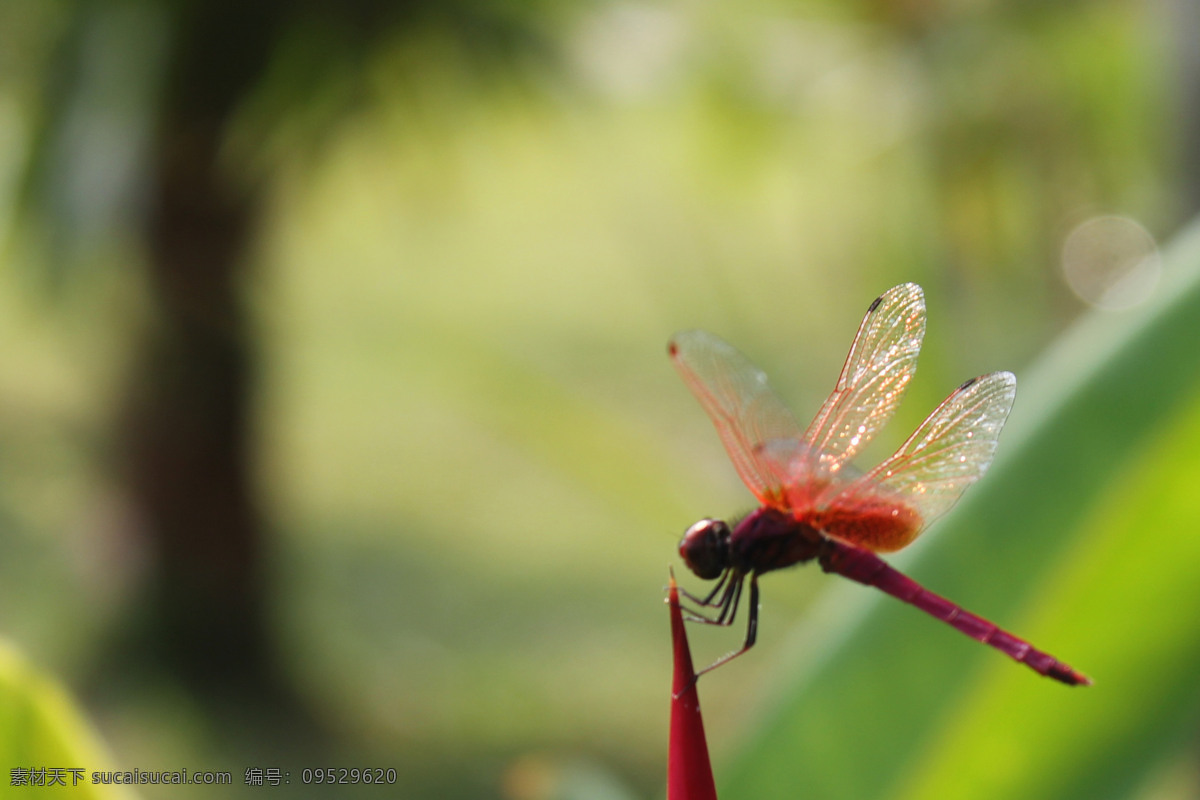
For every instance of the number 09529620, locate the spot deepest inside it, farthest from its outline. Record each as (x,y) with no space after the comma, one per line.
(348,775)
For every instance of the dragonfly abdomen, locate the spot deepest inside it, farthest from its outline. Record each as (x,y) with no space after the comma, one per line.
(880,525)
(865,567)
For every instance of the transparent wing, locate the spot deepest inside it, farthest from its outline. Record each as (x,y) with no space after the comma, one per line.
(881,362)
(950,450)
(746,413)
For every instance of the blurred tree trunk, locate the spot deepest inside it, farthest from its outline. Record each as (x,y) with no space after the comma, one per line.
(187,430)
(1183,17)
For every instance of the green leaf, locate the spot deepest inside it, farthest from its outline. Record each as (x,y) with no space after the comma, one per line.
(41,728)
(1082,539)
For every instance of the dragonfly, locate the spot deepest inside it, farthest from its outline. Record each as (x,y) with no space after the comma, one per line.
(814,505)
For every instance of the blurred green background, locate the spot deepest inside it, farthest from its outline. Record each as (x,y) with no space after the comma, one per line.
(337,429)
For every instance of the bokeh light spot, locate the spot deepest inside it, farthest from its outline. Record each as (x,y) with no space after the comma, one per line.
(1111,262)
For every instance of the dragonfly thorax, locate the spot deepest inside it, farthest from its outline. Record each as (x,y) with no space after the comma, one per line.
(770,539)
(705,548)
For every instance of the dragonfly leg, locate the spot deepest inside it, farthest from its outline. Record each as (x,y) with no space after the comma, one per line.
(751,630)
(707,602)
(730,608)
(728,605)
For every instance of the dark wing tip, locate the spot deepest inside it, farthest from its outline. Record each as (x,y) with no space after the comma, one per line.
(909,289)
(683,340)
(1003,377)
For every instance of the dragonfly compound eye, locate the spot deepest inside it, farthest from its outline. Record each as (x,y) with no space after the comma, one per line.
(705,548)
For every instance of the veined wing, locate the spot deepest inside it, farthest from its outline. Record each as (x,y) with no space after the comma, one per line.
(881,362)
(744,409)
(950,450)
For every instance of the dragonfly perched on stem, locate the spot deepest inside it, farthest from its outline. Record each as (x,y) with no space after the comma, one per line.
(814,504)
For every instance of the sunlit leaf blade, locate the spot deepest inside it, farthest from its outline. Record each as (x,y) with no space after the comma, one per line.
(1130,612)
(40,728)
(877,702)
(689,771)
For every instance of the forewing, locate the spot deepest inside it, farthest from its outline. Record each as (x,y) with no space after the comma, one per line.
(881,362)
(746,413)
(950,450)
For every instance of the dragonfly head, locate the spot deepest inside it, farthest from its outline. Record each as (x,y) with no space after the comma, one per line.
(705,548)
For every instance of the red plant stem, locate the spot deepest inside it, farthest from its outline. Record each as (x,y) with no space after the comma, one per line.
(689,771)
